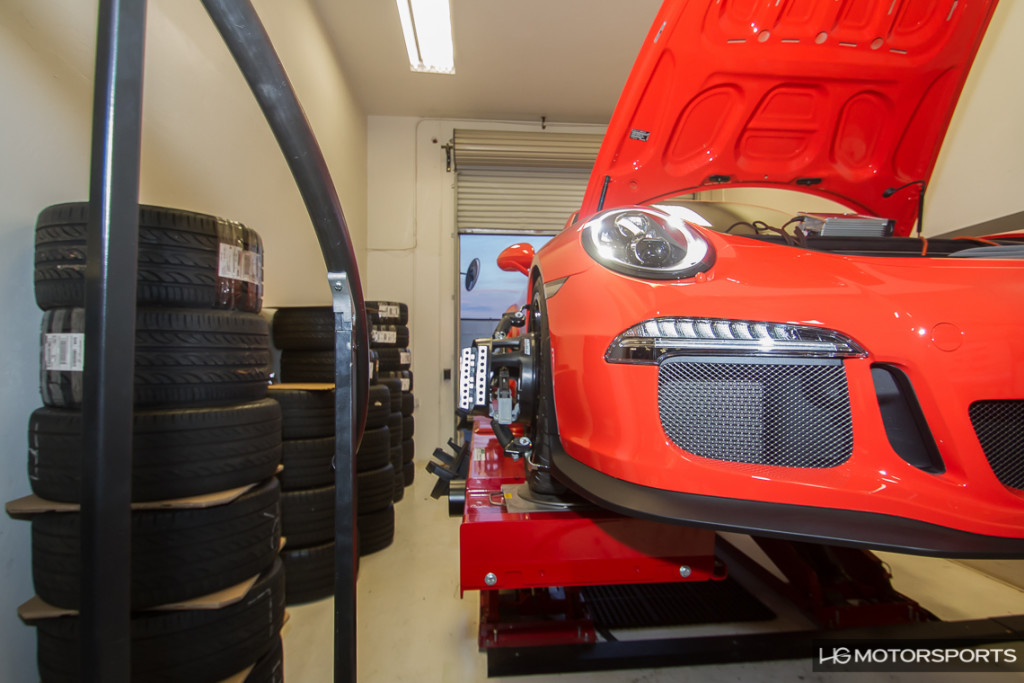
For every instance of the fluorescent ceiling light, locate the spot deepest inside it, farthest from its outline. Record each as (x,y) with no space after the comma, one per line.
(427,26)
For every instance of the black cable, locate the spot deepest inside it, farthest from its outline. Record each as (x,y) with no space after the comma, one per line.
(739,223)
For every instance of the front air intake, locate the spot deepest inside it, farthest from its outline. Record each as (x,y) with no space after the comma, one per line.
(782,412)
(1000,429)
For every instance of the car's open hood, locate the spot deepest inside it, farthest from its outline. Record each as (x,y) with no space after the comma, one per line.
(838,98)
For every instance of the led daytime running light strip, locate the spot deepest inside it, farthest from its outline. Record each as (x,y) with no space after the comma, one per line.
(648,341)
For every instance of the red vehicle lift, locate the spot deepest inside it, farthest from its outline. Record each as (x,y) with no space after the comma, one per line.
(558,580)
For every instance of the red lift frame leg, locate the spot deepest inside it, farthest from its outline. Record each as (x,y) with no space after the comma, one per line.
(528,567)
(579,547)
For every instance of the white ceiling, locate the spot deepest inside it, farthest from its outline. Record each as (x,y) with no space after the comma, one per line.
(566,60)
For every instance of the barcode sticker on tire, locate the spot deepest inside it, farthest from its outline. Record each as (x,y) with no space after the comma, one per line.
(389,311)
(406,384)
(64,351)
(404,357)
(384,336)
(251,266)
(236,263)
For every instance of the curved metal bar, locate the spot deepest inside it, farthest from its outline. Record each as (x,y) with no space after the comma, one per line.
(250,45)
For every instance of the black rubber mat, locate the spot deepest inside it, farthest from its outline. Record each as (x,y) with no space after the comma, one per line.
(672,604)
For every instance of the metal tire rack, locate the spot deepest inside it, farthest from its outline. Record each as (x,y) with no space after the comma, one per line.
(110,318)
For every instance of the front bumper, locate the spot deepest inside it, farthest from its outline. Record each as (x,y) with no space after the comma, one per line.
(780,520)
(617,452)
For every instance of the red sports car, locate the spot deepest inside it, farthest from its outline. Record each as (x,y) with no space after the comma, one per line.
(814,376)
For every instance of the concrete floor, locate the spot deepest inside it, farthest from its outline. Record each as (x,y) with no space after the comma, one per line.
(413,627)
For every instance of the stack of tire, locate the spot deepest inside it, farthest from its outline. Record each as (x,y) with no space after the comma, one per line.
(202,424)
(305,336)
(307,483)
(389,337)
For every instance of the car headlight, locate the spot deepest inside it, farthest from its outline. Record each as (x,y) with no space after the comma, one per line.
(648,341)
(647,243)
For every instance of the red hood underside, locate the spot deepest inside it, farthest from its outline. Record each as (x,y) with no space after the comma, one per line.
(839,98)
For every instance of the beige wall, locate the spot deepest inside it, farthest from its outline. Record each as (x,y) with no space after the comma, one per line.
(206,147)
(411,256)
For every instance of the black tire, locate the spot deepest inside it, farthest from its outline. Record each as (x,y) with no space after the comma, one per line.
(395,457)
(181,356)
(309,328)
(399,487)
(376,530)
(309,573)
(403,376)
(307,463)
(408,403)
(378,410)
(389,336)
(393,360)
(177,554)
(544,428)
(179,256)
(307,366)
(176,452)
(395,425)
(408,450)
(390,312)
(373,449)
(409,473)
(270,667)
(307,516)
(305,413)
(374,365)
(408,426)
(201,646)
(398,483)
(394,386)
(375,489)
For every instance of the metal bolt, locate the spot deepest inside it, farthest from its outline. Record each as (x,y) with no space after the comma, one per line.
(490,579)
(523,441)
(337,286)
(684,571)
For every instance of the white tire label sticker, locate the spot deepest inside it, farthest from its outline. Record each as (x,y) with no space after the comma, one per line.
(236,263)
(389,311)
(384,336)
(64,351)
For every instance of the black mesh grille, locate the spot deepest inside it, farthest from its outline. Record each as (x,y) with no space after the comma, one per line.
(765,412)
(1000,429)
(672,604)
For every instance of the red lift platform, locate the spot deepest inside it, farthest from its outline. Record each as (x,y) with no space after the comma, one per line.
(559,580)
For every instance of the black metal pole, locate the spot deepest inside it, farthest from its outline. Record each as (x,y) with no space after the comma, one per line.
(110,275)
(250,45)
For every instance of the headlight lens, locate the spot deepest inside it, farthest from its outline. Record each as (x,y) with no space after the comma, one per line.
(648,243)
(648,341)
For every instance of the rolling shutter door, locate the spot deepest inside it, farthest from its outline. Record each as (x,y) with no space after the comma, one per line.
(513,181)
